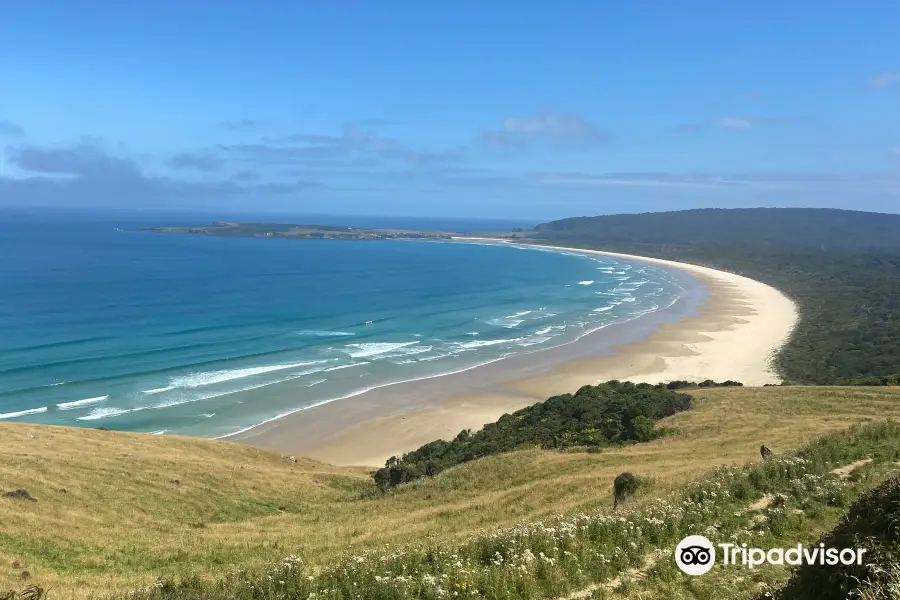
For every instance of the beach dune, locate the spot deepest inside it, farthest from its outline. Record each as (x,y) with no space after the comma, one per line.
(734,334)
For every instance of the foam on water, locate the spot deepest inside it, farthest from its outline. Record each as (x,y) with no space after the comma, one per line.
(200,379)
(103,413)
(22,413)
(587,282)
(210,395)
(368,349)
(109,412)
(483,343)
(357,393)
(347,366)
(533,341)
(549,328)
(507,322)
(463,346)
(308,333)
(79,403)
(407,351)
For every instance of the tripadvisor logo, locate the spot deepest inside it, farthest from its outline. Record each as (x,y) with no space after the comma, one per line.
(696,555)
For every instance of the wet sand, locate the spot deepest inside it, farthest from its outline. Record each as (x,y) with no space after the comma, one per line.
(724,327)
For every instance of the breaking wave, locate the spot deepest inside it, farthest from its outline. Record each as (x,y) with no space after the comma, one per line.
(79,403)
(195,380)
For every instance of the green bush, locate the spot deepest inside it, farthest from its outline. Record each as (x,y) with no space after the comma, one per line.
(624,486)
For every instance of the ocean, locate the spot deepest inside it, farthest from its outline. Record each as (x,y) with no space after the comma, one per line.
(102,325)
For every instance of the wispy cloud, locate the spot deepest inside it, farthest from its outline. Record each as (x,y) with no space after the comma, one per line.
(239,125)
(10,129)
(886,79)
(548,126)
(86,159)
(195,160)
(87,168)
(747,122)
(736,123)
(355,146)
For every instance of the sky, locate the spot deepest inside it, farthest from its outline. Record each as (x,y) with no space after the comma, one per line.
(526,110)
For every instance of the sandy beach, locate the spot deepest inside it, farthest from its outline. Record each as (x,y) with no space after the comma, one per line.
(731,333)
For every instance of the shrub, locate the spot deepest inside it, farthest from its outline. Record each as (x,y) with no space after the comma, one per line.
(624,486)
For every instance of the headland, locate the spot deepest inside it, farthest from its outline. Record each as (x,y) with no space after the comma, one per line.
(299,232)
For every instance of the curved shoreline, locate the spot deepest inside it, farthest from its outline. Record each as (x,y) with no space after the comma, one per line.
(639,324)
(733,334)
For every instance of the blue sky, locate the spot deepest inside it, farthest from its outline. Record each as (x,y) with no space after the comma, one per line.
(479,109)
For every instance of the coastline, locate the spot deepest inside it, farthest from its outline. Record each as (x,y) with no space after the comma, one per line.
(728,329)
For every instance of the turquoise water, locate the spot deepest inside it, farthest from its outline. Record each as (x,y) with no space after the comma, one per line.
(102,326)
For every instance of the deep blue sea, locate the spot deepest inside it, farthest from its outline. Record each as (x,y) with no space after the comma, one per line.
(101,325)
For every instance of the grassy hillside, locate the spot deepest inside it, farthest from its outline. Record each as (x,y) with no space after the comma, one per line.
(137,506)
(771,503)
(611,413)
(842,267)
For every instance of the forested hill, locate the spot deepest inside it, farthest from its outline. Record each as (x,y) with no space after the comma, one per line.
(841,267)
(823,229)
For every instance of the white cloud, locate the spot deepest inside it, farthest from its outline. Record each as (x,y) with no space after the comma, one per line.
(734,123)
(559,127)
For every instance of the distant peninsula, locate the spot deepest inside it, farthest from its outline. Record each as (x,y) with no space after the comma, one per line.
(287,230)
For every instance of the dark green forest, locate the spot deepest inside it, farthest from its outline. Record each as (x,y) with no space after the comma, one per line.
(595,416)
(798,228)
(841,267)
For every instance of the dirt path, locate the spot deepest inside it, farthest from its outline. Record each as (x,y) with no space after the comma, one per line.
(844,472)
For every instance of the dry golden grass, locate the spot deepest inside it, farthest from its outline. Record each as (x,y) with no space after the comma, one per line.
(123,519)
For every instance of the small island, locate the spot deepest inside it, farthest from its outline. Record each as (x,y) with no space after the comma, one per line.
(319,232)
